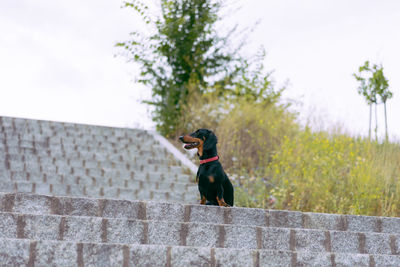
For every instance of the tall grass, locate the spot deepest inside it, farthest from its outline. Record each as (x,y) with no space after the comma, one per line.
(336,174)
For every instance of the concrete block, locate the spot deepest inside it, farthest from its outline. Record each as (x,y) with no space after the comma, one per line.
(77,206)
(187,256)
(55,253)
(391,225)
(274,258)
(322,221)
(361,223)
(386,260)
(102,255)
(308,258)
(82,229)
(164,233)
(241,237)
(234,257)
(14,252)
(344,242)
(286,219)
(43,189)
(41,227)
(246,216)
(310,240)
(24,187)
(202,235)
(123,209)
(377,243)
(347,259)
(125,231)
(146,255)
(209,214)
(275,238)
(8,225)
(165,211)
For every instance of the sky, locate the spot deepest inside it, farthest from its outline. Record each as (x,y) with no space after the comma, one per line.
(58,59)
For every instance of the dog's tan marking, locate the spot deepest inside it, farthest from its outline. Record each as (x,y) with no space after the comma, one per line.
(203,200)
(211,179)
(221,202)
(189,139)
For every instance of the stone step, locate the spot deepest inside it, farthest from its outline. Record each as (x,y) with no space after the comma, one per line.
(118,154)
(104,169)
(137,182)
(112,230)
(41,204)
(98,192)
(75,176)
(93,165)
(17,252)
(38,125)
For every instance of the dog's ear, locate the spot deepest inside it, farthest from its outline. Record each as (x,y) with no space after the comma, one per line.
(210,142)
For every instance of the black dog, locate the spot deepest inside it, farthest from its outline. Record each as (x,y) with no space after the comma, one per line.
(214,185)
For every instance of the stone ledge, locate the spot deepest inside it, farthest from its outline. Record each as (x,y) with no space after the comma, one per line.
(61,253)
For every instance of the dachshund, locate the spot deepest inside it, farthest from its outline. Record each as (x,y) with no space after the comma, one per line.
(214,185)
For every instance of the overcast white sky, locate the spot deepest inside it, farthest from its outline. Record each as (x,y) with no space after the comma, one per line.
(57,58)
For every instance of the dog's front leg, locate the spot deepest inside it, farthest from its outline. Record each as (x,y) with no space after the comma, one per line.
(220,197)
(203,200)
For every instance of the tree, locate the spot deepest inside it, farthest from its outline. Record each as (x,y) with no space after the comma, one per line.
(370,87)
(366,90)
(185,61)
(381,86)
(183,56)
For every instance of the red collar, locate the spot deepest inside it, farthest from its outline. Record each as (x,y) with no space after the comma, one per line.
(209,160)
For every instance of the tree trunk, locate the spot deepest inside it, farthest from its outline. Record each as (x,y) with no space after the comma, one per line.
(370,121)
(376,122)
(386,127)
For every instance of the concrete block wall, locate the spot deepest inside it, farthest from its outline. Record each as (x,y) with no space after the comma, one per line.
(78,195)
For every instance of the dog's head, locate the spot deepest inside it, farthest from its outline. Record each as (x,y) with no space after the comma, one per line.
(202,139)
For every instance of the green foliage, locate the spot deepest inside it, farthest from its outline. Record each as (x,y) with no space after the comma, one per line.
(183,56)
(251,133)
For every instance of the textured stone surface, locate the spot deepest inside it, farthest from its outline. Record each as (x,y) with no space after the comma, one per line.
(345,242)
(164,233)
(275,238)
(8,225)
(82,229)
(14,252)
(386,260)
(275,258)
(235,257)
(125,231)
(102,255)
(361,223)
(377,244)
(148,256)
(306,258)
(241,237)
(322,221)
(190,256)
(55,253)
(352,260)
(203,235)
(310,240)
(289,219)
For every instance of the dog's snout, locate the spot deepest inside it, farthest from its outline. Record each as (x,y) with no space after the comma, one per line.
(181,138)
